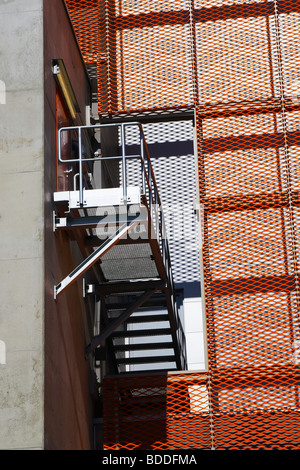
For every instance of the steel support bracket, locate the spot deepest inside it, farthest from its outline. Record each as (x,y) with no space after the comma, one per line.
(93,258)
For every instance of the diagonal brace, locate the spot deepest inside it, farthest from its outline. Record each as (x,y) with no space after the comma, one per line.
(99,339)
(93,257)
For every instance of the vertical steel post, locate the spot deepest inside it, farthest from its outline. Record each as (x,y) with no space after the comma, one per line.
(143,161)
(59,144)
(80,169)
(124,175)
(150,186)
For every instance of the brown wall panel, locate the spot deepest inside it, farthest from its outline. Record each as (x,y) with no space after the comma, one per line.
(67,399)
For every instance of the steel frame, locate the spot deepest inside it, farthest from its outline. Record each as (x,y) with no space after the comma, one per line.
(93,258)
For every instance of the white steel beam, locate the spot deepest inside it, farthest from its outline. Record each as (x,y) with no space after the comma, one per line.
(93,258)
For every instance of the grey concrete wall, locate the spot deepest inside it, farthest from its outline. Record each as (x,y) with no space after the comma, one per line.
(21,224)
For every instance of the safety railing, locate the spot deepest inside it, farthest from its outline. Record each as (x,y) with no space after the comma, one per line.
(78,143)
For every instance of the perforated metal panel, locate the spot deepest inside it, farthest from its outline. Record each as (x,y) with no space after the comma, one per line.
(176,179)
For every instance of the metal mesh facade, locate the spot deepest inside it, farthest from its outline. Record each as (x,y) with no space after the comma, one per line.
(237,63)
(85,17)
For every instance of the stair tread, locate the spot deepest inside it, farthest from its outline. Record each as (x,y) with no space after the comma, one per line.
(145,360)
(143,346)
(148,318)
(148,332)
(157,371)
(156,304)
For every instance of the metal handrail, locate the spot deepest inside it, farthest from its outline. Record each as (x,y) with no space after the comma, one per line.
(148,177)
(149,185)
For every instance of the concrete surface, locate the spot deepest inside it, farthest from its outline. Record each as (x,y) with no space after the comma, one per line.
(21,224)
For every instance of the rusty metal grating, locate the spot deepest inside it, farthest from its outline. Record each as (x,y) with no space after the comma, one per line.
(237,63)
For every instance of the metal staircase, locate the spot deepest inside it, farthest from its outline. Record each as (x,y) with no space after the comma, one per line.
(122,226)
(139,327)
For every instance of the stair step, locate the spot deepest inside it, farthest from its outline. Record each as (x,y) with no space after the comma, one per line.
(166,370)
(148,318)
(135,319)
(142,346)
(145,360)
(135,333)
(152,304)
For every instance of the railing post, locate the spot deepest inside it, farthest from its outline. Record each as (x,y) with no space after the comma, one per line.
(150,187)
(124,175)
(143,161)
(59,144)
(80,169)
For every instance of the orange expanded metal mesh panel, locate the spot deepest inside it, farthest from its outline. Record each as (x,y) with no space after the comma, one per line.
(85,19)
(156,412)
(237,63)
(191,411)
(248,145)
(144,52)
(150,60)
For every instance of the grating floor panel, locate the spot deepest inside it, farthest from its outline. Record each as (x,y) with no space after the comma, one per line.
(132,261)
